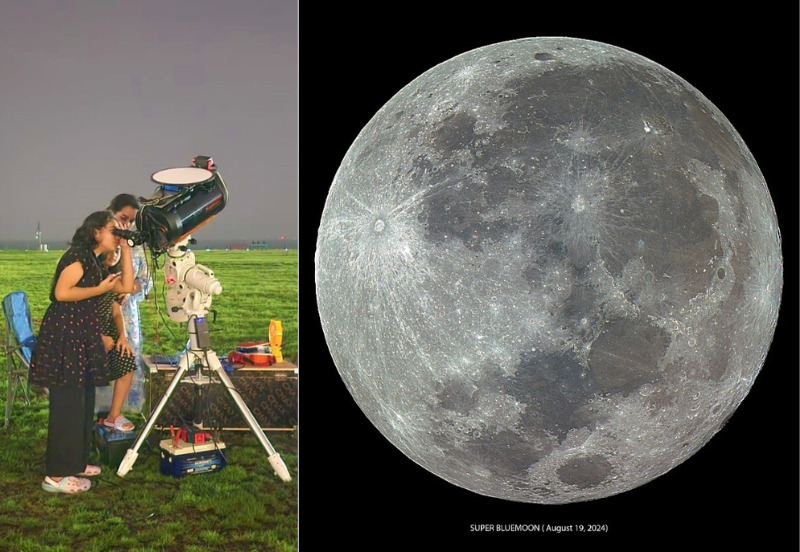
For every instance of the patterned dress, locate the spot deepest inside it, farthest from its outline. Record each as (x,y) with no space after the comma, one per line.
(118,364)
(69,351)
(130,312)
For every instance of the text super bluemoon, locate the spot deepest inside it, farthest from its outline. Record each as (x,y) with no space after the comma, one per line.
(536,528)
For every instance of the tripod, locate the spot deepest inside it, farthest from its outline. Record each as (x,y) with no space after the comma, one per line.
(199,352)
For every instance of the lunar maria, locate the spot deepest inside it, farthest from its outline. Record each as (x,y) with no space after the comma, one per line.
(548,270)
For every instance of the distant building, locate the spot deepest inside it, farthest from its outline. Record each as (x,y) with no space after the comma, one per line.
(238,246)
(262,245)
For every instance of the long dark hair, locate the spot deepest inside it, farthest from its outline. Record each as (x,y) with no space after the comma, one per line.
(123,200)
(84,236)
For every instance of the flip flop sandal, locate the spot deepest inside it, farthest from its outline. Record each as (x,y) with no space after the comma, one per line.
(90,471)
(121,423)
(67,485)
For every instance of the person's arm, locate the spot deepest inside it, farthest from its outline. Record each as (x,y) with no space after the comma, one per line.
(67,289)
(108,342)
(125,283)
(119,322)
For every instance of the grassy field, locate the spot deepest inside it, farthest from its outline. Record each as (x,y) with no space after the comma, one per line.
(257,286)
(244,507)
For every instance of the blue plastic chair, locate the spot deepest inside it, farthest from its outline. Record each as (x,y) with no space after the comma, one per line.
(19,347)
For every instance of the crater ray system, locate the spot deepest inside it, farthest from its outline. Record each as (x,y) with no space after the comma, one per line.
(562,266)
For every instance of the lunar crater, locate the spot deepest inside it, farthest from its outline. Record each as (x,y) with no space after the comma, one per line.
(563,265)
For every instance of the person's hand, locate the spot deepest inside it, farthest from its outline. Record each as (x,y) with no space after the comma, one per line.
(108,342)
(122,225)
(123,299)
(108,283)
(124,347)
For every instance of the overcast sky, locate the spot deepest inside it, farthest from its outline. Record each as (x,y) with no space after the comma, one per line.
(96,95)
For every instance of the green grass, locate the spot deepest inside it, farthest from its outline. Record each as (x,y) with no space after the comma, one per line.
(244,507)
(257,286)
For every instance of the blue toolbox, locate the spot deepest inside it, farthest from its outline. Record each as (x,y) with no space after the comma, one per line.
(185,458)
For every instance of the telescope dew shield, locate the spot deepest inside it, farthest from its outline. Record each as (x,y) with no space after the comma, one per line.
(193,196)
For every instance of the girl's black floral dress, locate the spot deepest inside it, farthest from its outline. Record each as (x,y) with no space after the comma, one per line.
(69,349)
(118,364)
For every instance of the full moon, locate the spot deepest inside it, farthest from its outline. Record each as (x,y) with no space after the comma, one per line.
(548,270)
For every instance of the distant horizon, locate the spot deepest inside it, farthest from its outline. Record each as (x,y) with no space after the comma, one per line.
(201,235)
(217,243)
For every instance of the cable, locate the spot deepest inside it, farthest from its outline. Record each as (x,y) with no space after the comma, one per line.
(152,272)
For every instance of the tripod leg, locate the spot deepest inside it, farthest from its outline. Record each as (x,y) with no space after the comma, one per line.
(273,457)
(133,453)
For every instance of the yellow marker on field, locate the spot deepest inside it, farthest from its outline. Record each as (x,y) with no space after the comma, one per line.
(276,339)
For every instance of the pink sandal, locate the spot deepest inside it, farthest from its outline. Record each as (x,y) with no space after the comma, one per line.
(120,423)
(68,485)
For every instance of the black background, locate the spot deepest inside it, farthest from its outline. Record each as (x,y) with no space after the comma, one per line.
(357,490)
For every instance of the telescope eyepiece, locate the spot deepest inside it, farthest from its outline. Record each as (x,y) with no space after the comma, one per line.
(131,236)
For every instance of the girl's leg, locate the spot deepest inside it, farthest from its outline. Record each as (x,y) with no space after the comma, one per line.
(88,421)
(66,451)
(121,387)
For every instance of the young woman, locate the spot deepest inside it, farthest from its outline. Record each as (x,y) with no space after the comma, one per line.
(121,359)
(70,358)
(124,207)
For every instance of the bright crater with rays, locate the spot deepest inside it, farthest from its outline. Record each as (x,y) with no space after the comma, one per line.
(548,270)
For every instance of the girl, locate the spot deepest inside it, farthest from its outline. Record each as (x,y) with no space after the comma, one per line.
(70,358)
(121,359)
(124,207)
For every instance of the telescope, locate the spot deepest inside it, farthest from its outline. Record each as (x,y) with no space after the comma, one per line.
(191,285)
(186,198)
